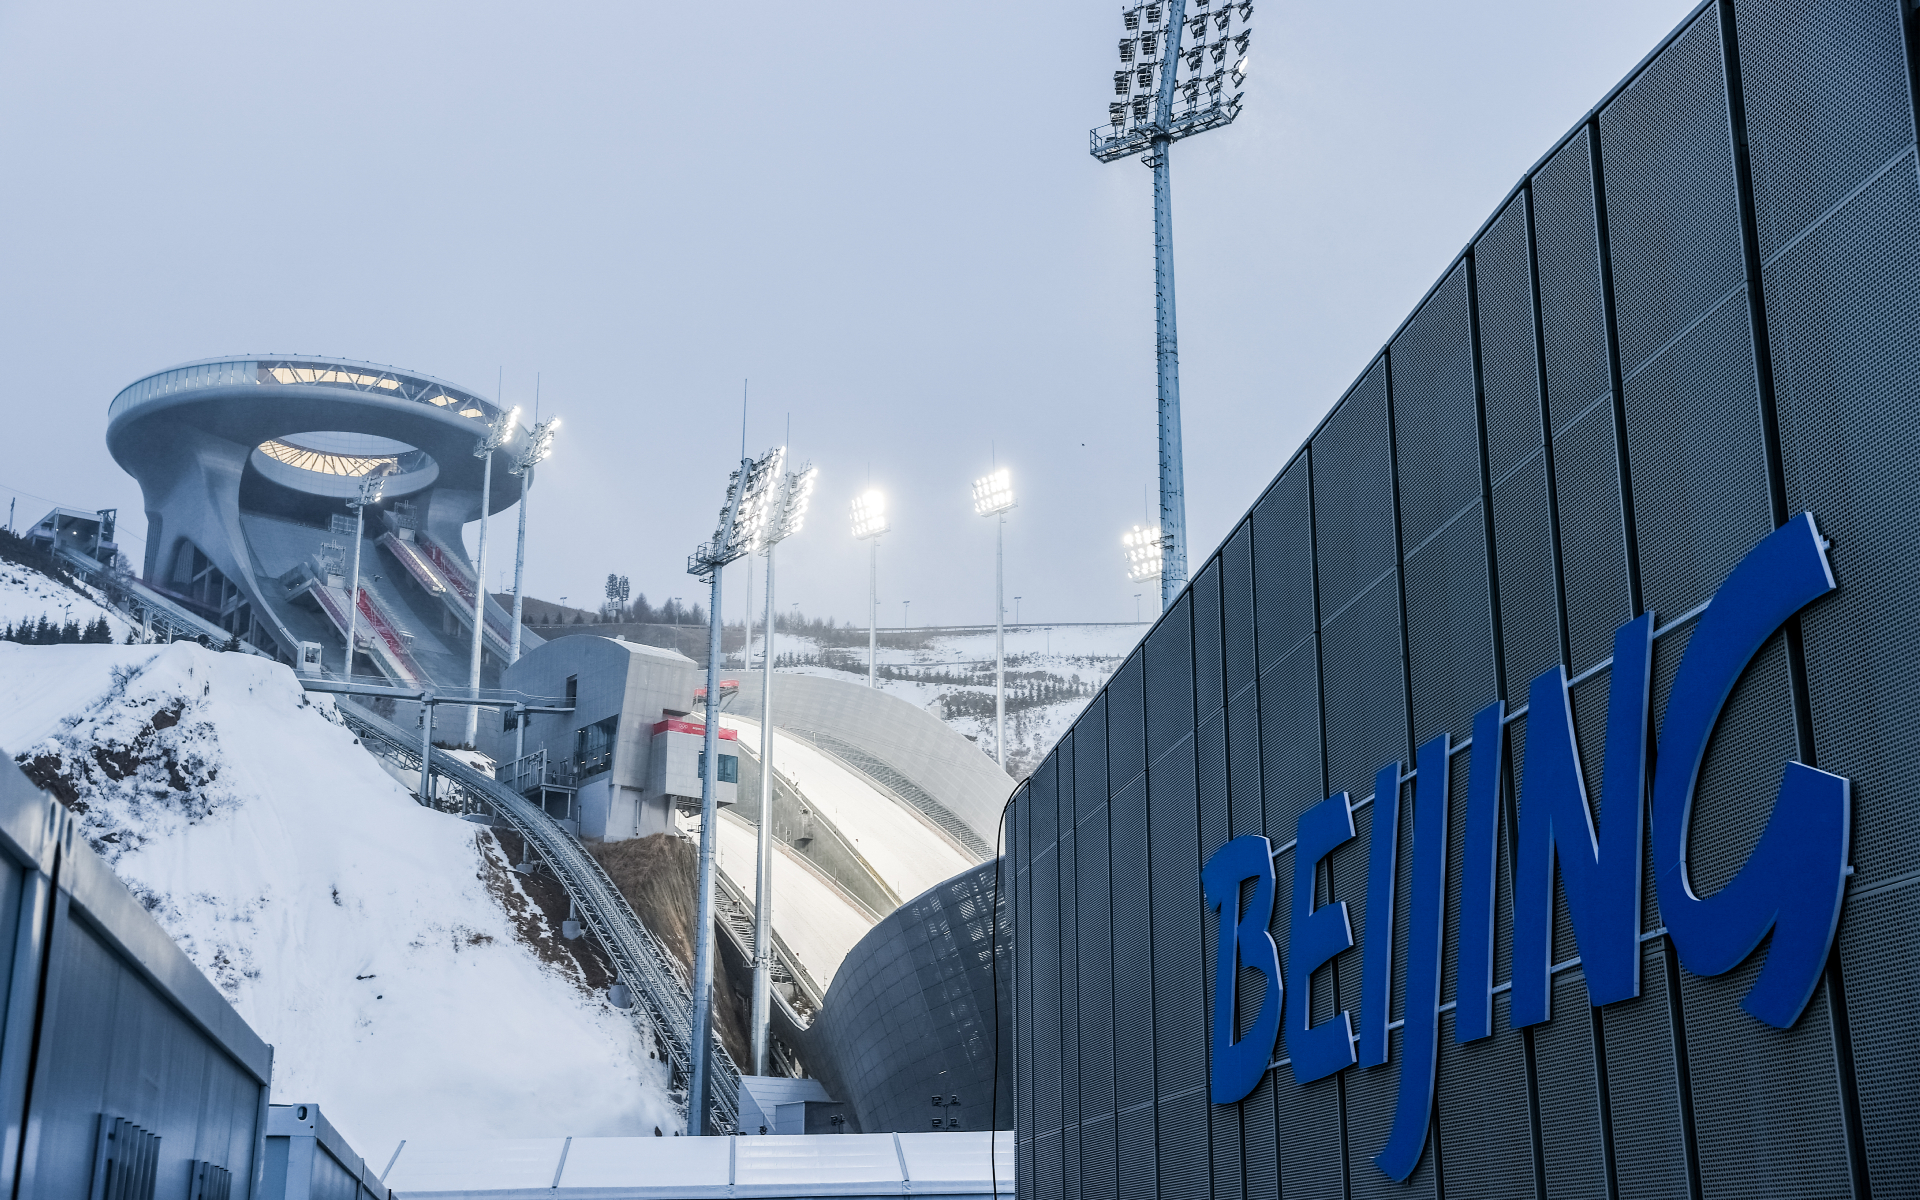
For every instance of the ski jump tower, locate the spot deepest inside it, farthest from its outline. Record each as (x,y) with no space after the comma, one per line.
(246,466)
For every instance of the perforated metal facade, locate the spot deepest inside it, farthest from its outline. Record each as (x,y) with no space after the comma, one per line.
(1698,316)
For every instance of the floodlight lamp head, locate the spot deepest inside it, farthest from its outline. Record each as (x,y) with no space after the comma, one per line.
(993,494)
(1145,554)
(1240,69)
(870,514)
(799,496)
(539,446)
(371,486)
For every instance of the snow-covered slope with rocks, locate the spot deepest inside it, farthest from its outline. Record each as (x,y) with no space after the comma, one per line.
(404,978)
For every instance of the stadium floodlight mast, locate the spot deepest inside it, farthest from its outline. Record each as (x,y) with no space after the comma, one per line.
(1171,88)
(869,522)
(498,434)
(371,485)
(733,537)
(539,445)
(783,509)
(992,497)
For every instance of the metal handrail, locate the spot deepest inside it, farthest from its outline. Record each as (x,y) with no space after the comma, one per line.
(654,975)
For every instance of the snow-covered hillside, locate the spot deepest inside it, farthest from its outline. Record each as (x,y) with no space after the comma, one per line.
(404,978)
(1052,671)
(26,595)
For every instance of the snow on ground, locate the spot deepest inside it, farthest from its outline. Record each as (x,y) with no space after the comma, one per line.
(902,848)
(1058,667)
(28,595)
(383,948)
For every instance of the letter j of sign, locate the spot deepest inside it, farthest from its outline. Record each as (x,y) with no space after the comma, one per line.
(1244,942)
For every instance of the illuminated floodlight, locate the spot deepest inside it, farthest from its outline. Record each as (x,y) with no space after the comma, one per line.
(787,506)
(539,446)
(1145,554)
(870,514)
(993,494)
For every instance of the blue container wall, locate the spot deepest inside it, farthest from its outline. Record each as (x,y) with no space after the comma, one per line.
(1696,317)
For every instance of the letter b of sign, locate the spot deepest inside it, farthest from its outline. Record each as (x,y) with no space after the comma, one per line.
(1244,942)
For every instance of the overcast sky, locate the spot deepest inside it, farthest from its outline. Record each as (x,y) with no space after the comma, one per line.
(882,214)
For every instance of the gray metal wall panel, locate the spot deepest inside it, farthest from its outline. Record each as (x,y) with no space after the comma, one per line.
(1242,762)
(1020,852)
(1099,1158)
(1883,1004)
(1209,683)
(1237,608)
(1046,1004)
(1291,772)
(1365,690)
(1095,968)
(1567,241)
(1308,1120)
(1353,494)
(1437,432)
(1569,1088)
(1179,976)
(1593,548)
(1217,819)
(1260,1162)
(1481,1105)
(1169,680)
(1643,1085)
(1126,727)
(1827,102)
(1450,629)
(1136,1167)
(1699,461)
(1766,1102)
(1132,950)
(1509,350)
(1069,995)
(1093,910)
(1529,594)
(1282,565)
(1673,216)
(1841,313)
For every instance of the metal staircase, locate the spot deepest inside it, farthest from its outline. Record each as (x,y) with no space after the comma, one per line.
(662,993)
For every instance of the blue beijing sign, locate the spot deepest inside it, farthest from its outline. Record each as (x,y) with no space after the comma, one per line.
(1791,885)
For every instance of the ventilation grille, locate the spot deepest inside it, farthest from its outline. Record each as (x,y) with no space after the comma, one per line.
(125,1162)
(209,1181)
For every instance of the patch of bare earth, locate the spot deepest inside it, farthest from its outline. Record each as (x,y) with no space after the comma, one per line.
(656,875)
(538,904)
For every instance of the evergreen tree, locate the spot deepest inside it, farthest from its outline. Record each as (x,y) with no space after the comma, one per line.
(45,632)
(70,633)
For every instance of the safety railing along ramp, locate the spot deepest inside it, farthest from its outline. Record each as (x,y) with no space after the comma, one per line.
(650,972)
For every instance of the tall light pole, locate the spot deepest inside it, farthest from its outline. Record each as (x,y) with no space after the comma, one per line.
(1167,92)
(539,445)
(992,497)
(787,495)
(733,537)
(497,435)
(869,522)
(370,489)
